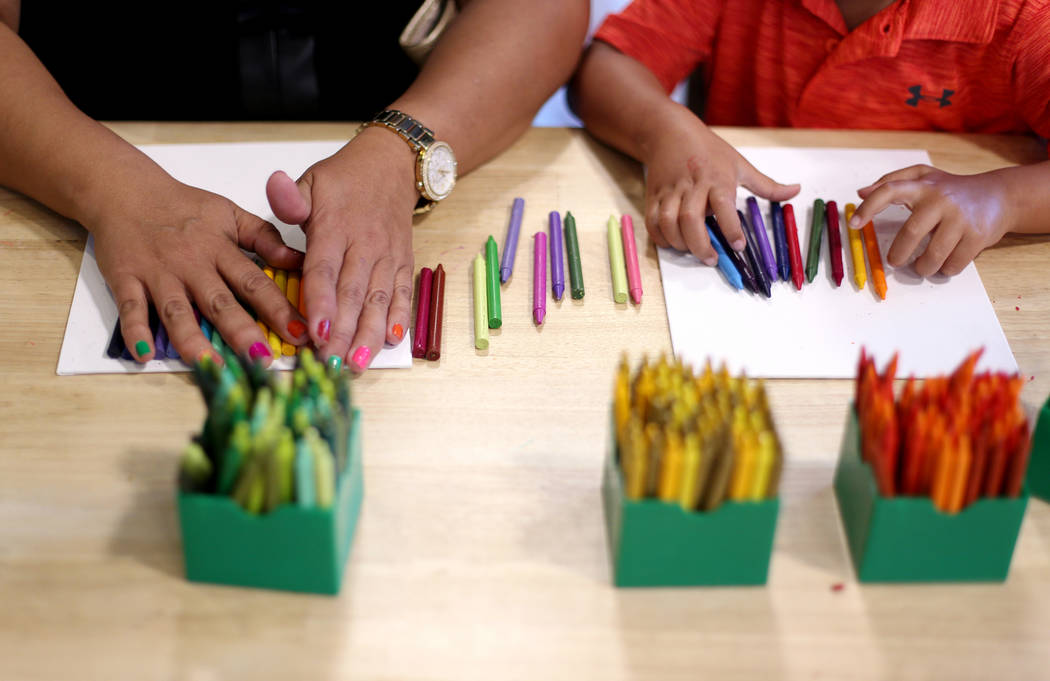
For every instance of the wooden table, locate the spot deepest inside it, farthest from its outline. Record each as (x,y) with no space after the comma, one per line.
(481,551)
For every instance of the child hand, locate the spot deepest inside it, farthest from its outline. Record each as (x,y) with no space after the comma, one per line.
(356,209)
(182,245)
(693,172)
(963,213)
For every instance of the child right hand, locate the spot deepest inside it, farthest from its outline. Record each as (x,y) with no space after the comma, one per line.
(692,173)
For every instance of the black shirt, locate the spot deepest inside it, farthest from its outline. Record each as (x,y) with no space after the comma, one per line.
(148,60)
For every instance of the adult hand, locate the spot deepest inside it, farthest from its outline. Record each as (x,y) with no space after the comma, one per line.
(181,245)
(356,210)
(963,214)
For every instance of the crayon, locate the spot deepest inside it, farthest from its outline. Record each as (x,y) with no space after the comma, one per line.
(539,277)
(510,244)
(759,227)
(630,256)
(437,312)
(419,333)
(572,252)
(795,254)
(737,258)
(753,257)
(481,324)
(871,245)
(816,233)
(725,264)
(495,311)
(617,266)
(116,346)
(856,249)
(776,214)
(557,256)
(834,242)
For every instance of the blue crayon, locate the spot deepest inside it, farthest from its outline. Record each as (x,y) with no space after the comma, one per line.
(738,260)
(780,240)
(206,328)
(724,263)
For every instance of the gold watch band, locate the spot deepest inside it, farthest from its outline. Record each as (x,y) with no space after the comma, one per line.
(418,136)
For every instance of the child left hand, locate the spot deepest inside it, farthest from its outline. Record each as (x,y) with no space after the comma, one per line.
(964,214)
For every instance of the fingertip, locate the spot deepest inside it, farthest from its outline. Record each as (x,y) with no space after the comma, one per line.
(288,203)
(143,350)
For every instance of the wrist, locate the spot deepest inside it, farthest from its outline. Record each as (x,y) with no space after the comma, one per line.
(1021,190)
(387,157)
(667,123)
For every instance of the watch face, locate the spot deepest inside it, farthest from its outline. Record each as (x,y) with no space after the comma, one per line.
(439,171)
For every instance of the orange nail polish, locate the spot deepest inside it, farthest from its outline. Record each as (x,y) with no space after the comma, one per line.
(296,328)
(398,331)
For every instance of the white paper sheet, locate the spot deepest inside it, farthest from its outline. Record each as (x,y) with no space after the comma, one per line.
(818,332)
(236,171)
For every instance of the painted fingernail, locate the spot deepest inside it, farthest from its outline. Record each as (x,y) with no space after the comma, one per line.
(335,363)
(142,348)
(296,328)
(324,329)
(398,331)
(258,351)
(362,356)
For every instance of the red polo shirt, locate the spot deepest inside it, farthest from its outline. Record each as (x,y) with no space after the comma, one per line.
(956,65)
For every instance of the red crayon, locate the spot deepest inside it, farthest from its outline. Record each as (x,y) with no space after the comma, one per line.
(798,274)
(834,241)
(437,313)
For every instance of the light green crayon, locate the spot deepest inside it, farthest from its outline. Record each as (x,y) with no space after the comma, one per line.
(616,261)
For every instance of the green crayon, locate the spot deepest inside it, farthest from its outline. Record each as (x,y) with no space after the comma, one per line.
(572,249)
(305,490)
(492,284)
(816,233)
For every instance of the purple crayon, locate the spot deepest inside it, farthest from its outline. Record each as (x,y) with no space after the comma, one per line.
(510,245)
(557,257)
(762,238)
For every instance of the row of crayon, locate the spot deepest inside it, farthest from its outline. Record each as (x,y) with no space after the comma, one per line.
(269,438)
(954,438)
(430,314)
(757,268)
(696,440)
(286,280)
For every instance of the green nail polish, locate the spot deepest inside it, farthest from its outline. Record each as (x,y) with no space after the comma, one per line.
(142,348)
(335,363)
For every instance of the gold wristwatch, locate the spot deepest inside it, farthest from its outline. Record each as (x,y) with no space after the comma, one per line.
(435,162)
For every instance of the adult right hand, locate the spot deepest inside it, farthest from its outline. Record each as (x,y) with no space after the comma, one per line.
(181,246)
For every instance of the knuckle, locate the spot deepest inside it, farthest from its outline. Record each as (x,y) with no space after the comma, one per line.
(129,307)
(379,297)
(352,294)
(321,269)
(219,302)
(252,281)
(403,292)
(174,308)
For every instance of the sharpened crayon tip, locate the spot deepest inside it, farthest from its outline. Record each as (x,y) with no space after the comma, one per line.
(559,291)
(636,295)
(504,275)
(538,314)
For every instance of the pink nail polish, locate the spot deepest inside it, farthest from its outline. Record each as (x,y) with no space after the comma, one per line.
(258,351)
(362,356)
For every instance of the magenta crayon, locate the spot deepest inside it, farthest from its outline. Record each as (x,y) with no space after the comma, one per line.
(419,335)
(630,258)
(539,277)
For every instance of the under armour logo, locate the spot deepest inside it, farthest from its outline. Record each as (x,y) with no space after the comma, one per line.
(916,91)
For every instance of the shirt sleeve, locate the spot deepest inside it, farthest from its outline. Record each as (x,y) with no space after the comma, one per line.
(1031,68)
(670,37)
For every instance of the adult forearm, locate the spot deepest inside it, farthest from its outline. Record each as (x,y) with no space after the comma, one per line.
(51,151)
(498,62)
(622,103)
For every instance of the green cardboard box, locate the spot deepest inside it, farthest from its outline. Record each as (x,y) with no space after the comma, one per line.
(1038,477)
(907,539)
(292,548)
(655,543)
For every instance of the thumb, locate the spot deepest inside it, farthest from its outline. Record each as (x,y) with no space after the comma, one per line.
(765,187)
(289,201)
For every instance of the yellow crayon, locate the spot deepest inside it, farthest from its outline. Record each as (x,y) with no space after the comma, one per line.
(272,339)
(689,493)
(671,467)
(856,248)
(634,461)
(280,277)
(617,265)
(763,466)
(654,441)
(744,470)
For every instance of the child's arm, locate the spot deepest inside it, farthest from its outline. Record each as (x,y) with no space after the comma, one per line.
(691,170)
(155,238)
(965,214)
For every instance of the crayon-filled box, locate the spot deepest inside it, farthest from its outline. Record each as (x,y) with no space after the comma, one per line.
(655,543)
(290,548)
(1039,465)
(907,539)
